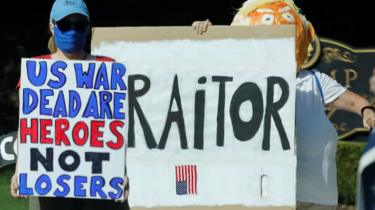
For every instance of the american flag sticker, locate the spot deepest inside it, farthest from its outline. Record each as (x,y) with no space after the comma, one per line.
(186,179)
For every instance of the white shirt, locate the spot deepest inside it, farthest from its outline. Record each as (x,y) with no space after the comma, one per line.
(316,139)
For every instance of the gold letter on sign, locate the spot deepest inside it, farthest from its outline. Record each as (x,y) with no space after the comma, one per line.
(350,75)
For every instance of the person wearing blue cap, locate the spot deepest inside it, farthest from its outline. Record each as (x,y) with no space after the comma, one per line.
(70,27)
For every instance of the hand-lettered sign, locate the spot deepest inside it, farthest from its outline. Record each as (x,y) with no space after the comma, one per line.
(211,118)
(72,129)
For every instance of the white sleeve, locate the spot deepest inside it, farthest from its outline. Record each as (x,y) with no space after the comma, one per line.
(331,88)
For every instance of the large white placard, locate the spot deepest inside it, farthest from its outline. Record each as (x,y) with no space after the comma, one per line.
(211,122)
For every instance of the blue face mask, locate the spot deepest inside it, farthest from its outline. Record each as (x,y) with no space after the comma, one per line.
(70,41)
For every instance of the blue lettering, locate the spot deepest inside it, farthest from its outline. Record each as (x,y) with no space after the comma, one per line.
(44,93)
(97,183)
(29,95)
(84,78)
(60,107)
(105,109)
(118,101)
(39,189)
(78,186)
(61,180)
(91,107)
(23,189)
(60,76)
(74,103)
(116,184)
(102,78)
(118,72)
(36,80)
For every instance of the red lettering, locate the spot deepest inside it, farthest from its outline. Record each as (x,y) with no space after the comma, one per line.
(120,138)
(61,126)
(45,125)
(31,131)
(39,131)
(96,133)
(80,126)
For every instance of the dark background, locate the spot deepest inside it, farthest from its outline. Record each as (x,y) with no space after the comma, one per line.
(24,29)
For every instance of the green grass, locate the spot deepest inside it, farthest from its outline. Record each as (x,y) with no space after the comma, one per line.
(7,202)
(348,155)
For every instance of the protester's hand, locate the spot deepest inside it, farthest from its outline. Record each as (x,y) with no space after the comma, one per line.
(201,26)
(125,186)
(14,186)
(368,118)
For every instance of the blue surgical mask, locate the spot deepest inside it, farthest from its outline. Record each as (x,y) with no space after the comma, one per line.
(70,41)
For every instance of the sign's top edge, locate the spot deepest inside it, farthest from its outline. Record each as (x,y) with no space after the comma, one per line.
(141,34)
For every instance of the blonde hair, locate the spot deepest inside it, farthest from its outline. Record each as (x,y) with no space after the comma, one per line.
(51,45)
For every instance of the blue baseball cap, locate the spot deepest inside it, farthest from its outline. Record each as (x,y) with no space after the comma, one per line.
(63,8)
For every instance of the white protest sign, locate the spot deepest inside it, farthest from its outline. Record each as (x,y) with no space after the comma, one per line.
(72,129)
(211,118)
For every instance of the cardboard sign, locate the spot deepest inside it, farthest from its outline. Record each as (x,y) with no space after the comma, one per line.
(211,118)
(72,129)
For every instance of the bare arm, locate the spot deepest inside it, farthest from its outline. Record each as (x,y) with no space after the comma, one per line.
(352,102)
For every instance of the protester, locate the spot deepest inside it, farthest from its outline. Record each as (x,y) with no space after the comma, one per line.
(316,138)
(70,27)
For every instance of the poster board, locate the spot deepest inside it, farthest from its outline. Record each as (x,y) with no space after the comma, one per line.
(72,129)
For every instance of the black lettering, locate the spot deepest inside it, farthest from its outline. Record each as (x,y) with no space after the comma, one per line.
(272,109)
(221,108)
(175,116)
(244,131)
(69,167)
(46,161)
(134,105)
(97,159)
(200,101)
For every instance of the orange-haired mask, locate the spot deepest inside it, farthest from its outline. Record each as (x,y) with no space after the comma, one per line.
(280,13)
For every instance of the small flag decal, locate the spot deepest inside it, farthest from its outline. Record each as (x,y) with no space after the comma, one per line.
(186,179)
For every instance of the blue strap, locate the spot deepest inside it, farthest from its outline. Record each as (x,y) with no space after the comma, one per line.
(319,86)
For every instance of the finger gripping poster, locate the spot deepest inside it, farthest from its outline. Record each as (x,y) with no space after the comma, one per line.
(72,129)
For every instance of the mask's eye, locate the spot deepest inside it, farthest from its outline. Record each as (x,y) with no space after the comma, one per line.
(289,17)
(267,19)
(65,25)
